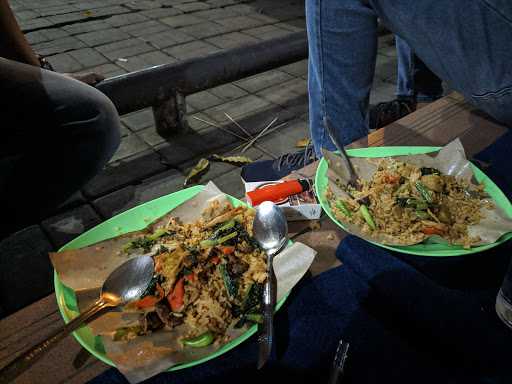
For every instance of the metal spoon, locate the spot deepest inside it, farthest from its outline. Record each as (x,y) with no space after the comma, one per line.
(126,283)
(270,230)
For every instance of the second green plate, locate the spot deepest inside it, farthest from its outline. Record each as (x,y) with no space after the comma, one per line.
(423,249)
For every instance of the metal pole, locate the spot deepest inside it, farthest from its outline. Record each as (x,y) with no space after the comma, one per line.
(170,115)
(142,89)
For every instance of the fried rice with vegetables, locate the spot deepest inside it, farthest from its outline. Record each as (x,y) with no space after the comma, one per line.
(209,276)
(410,203)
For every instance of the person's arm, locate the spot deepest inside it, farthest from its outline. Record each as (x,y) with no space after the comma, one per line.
(13,44)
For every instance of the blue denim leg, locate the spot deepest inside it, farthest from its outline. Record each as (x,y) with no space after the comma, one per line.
(467,43)
(414,77)
(405,59)
(342,49)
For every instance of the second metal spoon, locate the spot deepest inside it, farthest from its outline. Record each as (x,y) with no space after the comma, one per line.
(271,232)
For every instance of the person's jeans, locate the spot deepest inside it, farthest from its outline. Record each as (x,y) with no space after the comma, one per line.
(57,133)
(467,43)
(414,79)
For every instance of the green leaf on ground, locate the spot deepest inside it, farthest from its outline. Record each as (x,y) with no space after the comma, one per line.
(199,170)
(235,160)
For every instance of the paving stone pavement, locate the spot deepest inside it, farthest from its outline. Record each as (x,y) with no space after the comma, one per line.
(114,37)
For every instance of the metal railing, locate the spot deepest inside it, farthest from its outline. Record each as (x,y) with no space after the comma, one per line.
(164,87)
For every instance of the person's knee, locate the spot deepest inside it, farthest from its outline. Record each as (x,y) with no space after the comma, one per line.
(497,104)
(107,125)
(91,114)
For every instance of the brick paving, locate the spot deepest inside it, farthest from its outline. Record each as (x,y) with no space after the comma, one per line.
(114,37)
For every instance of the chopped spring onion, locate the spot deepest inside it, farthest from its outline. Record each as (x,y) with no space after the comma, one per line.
(340,204)
(363,209)
(255,317)
(200,341)
(424,192)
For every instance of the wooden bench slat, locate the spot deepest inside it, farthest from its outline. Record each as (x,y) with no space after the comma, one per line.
(33,324)
(437,124)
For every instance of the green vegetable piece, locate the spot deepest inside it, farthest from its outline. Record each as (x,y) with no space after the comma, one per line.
(228,225)
(409,202)
(213,242)
(122,333)
(199,341)
(363,209)
(227,237)
(216,238)
(255,317)
(208,243)
(143,243)
(340,204)
(244,236)
(157,234)
(253,298)
(229,282)
(422,215)
(424,192)
(251,303)
(252,317)
(429,171)
(421,205)
(150,290)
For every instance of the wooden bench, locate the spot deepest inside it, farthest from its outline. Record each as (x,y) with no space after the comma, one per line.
(436,124)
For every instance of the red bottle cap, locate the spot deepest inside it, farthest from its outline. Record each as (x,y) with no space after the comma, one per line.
(276,192)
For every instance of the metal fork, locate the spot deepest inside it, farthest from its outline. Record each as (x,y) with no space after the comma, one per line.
(354,181)
(338,363)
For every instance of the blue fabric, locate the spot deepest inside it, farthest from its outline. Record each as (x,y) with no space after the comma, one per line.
(457,324)
(467,43)
(342,37)
(498,167)
(405,63)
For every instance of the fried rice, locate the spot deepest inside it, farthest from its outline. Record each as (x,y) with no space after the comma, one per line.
(209,276)
(408,203)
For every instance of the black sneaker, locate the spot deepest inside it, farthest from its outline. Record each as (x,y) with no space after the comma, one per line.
(387,112)
(270,170)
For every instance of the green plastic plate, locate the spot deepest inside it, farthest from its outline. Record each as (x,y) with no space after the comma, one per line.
(132,220)
(423,249)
